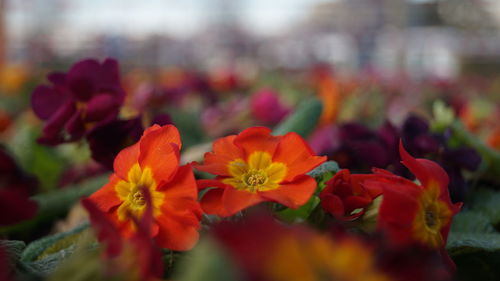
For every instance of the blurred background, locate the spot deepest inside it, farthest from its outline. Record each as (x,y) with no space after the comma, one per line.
(420,38)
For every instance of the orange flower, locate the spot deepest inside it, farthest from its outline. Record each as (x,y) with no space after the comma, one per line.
(153,163)
(255,166)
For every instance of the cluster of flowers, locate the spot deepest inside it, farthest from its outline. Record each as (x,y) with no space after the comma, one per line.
(150,195)
(152,201)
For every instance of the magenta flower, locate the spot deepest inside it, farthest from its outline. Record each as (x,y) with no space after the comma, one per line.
(267,108)
(88,95)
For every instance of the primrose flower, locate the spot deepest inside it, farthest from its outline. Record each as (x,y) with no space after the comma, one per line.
(412,213)
(153,163)
(88,95)
(254,167)
(345,193)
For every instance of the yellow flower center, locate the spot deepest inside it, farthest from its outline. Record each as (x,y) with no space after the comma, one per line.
(131,193)
(432,215)
(259,173)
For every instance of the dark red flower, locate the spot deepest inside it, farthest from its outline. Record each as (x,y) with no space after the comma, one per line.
(15,189)
(88,95)
(346,193)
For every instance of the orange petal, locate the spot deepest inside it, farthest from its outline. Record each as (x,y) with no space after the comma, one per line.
(237,200)
(293,194)
(294,152)
(256,139)
(181,196)
(106,197)
(175,235)
(224,151)
(125,160)
(159,150)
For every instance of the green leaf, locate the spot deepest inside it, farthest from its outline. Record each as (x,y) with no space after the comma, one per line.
(471,222)
(14,248)
(487,202)
(206,262)
(53,244)
(301,213)
(189,127)
(477,255)
(459,243)
(327,167)
(303,120)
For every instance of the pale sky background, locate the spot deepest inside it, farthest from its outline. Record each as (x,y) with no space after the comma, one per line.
(180,18)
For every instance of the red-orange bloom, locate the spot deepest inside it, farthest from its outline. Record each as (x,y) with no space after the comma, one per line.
(255,166)
(153,163)
(412,213)
(345,196)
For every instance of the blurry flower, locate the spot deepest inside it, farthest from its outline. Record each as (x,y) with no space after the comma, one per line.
(345,197)
(153,163)
(267,251)
(162,119)
(494,139)
(5,121)
(108,140)
(137,257)
(88,95)
(267,107)
(411,213)
(12,78)
(15,190)
(255,166)
(225,118)
(362,148)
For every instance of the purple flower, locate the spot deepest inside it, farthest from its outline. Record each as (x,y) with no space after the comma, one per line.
(107,140)
(88,95)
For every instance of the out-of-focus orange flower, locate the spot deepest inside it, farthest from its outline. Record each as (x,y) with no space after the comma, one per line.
(255,166)
(494,139)
(5,121)
(153,163)
(329,93)
(12,78)
(268,251)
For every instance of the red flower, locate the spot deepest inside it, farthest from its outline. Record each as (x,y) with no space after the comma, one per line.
(267,108)
(153,163)
(255,166)
(412,213)
(345,193)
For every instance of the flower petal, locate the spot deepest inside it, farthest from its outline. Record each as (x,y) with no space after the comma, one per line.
(159,150)
(237,200)
(256,139)
(224,151)
(297,155)
(292,194)
(175,235)
(107,197)
(125,160)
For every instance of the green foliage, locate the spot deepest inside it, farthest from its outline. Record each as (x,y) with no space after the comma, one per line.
(50,245)
(206,262)
(57,203)
(189,127)
(300,214)
(303,120)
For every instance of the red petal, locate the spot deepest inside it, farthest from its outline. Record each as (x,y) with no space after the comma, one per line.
(293,194)
(211,203)
(424,170)
(176,235)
